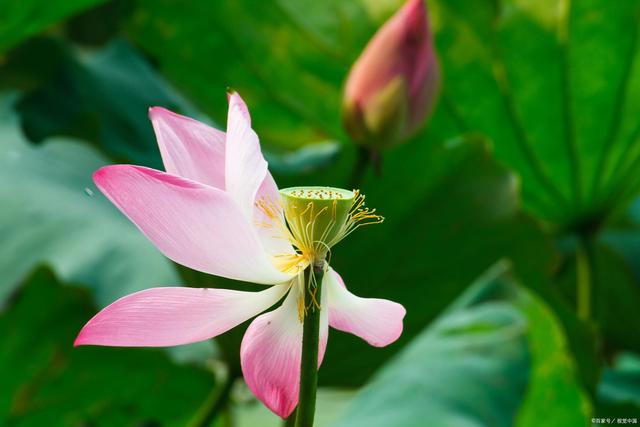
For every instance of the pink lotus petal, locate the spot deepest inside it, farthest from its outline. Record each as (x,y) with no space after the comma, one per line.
(273,237)
(195,225)
(161,317)
(245,168)
(189,149)
(271,354)
(272,234)
(377,321)
(196,151)
(234,97)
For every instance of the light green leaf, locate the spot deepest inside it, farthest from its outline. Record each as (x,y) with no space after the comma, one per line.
(330,404)
(618,392)
(621,382)
(524,74)
(304,159)
(52,212)
(488,360)
(553,382)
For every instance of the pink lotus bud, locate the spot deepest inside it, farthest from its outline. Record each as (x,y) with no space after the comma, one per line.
(393,85)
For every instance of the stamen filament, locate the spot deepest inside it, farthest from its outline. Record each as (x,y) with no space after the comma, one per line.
(313,220)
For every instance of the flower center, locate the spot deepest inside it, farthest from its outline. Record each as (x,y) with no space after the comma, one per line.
(319,217)
(315,219)
(315,216)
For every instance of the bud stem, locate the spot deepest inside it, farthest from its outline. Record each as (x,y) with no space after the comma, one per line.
(359,167)
(376,162)
(310,345)
(584,265)
(364,157)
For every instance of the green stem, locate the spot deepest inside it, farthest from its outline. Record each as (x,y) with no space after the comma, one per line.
(310,344)
(291,421)
(213,405)
(376,162)
(583,278)
(363,157)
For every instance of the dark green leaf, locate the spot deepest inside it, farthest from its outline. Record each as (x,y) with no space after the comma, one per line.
(46,381)
(96,26)
(520,72)
(614,298)
(102,97)
(429,247)
(24,18)
(624,237)
(287,58)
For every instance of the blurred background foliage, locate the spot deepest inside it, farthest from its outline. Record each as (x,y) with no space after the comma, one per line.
(513,226)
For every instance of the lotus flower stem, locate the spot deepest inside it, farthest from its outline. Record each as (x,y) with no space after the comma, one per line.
(310,344)
(583,280)
(215,403)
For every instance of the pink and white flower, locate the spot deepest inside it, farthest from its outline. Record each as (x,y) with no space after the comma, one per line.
(205,212)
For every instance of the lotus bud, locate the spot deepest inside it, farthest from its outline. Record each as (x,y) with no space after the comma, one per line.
(393,86)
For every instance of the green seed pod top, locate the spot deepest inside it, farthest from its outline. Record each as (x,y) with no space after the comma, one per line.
(317,216)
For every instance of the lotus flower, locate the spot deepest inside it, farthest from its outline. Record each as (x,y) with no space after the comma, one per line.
(393,85)
(217,209)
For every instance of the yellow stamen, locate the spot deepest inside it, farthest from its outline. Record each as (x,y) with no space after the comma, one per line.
(359,216)
(302,219)
(290,263)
